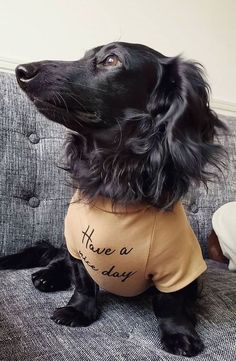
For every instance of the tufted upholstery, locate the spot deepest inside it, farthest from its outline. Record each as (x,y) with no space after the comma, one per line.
(201,203)
(34,196)
(34,191)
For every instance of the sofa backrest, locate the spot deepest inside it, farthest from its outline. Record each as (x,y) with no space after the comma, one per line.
(35,193)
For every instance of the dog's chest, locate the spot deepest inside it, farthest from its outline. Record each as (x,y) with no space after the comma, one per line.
(113,247)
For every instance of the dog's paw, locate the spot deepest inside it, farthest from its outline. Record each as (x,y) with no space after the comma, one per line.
(4,262)
(69,316)
(182,344)
(46,281)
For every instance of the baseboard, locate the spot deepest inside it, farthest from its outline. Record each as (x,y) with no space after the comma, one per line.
(223,107)
(220,106)
(8,65)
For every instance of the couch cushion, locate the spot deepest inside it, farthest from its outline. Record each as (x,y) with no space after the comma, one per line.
(34,192)
(126,330)
(201,203)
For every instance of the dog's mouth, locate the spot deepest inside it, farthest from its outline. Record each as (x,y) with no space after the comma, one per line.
(47,105)
(72,118)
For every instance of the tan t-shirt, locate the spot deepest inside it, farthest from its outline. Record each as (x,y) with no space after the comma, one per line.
(128,250)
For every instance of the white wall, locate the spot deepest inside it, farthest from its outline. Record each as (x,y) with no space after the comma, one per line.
(204,30)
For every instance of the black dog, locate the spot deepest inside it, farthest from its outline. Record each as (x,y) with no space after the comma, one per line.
(142,132)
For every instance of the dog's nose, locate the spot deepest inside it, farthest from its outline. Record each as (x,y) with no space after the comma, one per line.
(26,72)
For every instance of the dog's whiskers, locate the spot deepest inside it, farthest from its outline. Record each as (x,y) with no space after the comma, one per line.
(62,100)
(73,96)
(53,99)
(78,122)
(77,101)
(58,99)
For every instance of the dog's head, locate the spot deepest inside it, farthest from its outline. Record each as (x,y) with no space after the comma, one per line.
(143,128)
(96,90)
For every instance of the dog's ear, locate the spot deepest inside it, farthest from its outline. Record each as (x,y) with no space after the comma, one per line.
(180,105)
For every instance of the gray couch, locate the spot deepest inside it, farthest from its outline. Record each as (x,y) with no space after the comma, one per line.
(34,196)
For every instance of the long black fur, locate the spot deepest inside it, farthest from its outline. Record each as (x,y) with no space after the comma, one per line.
(152,156)
(141,130)
(38,255)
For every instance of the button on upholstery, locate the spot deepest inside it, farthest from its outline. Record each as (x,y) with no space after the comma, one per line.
(34,202)
(34,139)
(194,208)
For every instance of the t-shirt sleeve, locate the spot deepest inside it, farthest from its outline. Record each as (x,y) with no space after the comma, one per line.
(68,232)
(175,257)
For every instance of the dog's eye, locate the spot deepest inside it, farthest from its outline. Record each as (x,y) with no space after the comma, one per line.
(111,61)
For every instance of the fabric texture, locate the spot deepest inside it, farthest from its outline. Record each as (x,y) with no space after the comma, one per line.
(224,225)
(35,195)
(34,192)
(126,330)
(126,251)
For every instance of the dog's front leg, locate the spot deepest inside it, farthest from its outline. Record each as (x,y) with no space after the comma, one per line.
(82,309)
(175,312)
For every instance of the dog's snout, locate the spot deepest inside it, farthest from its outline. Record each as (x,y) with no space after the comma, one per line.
(26,72)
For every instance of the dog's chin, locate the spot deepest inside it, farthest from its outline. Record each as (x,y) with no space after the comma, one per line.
(52,112)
